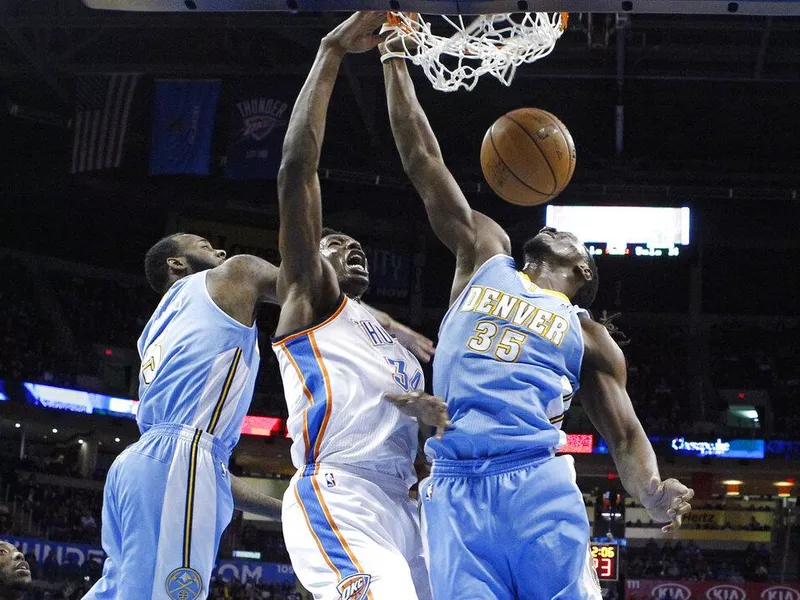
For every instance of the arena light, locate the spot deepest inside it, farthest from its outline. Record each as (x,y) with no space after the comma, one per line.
(17,425)
(55,430)
(732,482)
(80,442)
(783,484)
(116,440)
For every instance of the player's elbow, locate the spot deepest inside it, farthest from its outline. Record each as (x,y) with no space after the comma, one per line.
(296,168)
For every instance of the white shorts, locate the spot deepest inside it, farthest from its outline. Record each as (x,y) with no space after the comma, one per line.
(354,535)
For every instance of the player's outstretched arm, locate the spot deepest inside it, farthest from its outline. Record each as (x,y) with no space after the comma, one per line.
(304,275)
(247,499)
(470,235)
(606,401)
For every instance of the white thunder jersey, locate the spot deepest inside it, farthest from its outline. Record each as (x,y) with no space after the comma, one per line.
(335,375)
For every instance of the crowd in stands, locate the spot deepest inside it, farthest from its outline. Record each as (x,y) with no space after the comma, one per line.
(687,562)
(61,514)
(753,525)
(657,376)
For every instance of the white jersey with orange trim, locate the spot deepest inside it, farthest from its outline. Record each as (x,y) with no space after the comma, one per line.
(335,375)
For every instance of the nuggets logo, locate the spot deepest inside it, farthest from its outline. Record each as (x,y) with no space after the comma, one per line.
(184,584)
(354,587)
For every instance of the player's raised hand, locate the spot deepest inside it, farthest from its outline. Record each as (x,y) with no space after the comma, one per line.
(667,500)
(428,409)
(419,345)
(357,33)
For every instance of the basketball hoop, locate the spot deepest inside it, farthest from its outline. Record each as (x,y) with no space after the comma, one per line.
(494,44)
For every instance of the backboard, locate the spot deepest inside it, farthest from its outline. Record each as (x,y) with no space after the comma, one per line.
(464,7)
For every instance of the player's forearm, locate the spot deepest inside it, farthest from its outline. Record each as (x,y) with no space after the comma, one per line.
(413,134)
(448,210)
(386,321)
(246,499)
(634,457)
(303,142)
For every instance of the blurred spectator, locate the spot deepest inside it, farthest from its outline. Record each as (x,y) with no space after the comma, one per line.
(688,562)
(15,574)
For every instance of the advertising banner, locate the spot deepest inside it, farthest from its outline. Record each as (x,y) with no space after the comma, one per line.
(226,570)
(641,589)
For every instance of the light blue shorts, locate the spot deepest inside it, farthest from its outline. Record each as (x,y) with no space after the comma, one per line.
(508,528)
(166,502)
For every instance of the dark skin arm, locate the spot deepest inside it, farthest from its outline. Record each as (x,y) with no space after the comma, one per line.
(247,499)
(471,236)
(307,284)
(419,345)
(240,284)
(606,401)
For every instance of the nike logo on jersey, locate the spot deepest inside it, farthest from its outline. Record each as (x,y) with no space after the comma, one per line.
(514,310)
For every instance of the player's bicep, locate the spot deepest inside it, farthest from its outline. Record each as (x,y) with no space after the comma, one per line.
(603,392)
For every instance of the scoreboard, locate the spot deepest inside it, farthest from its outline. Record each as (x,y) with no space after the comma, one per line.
(605,559)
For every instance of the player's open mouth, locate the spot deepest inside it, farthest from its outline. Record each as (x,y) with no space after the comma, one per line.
(357,262)
(23,567)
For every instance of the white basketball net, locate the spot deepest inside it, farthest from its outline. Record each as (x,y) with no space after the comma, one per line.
(494,44)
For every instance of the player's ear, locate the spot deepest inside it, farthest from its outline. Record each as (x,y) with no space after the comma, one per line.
(177,265)
(584,271)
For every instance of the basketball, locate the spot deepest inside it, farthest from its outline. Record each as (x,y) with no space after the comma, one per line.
(528,156)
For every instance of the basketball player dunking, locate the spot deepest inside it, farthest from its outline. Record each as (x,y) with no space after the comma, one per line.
(169,496)
(351,529)
(505,518)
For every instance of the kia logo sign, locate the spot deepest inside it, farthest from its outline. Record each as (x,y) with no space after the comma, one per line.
(779,592)
(726,592)
(676,591)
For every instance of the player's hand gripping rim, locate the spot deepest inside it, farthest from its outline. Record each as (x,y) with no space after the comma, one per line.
(430,410)
(667,500)
(357,33)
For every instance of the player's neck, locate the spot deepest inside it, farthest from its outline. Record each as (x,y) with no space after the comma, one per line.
(548,277)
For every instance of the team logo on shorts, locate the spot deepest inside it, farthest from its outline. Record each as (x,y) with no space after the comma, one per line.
(330,480)
(354,587)
(184,584)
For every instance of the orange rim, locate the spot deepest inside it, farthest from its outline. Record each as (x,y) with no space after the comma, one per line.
(392,20)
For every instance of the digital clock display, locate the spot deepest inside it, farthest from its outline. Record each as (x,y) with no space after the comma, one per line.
(605,559)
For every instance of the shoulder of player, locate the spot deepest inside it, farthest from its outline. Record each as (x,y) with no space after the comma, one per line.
(601,352)
(244,267)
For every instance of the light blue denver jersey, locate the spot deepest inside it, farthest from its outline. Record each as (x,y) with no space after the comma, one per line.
(199,364)
(507,364)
